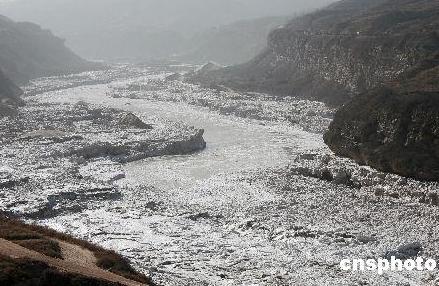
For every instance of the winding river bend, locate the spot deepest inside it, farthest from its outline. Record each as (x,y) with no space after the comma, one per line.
(207,183)
(228,215)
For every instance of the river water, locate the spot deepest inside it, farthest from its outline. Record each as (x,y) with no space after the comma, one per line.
(209,219)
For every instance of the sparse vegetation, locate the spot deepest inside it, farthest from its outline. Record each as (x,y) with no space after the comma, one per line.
(41,239)
(19,234)
(32,273)
(44,246)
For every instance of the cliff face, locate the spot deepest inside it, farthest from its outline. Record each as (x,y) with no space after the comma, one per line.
(394,128)
(380,59)
(340,51)
(27,51)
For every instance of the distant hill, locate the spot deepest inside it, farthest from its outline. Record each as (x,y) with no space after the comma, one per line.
(136,30)
(339,51)
(232,44)
(27,51)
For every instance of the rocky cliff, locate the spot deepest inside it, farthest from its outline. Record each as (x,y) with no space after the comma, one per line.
(27,51)
(394,128)
(340,51)
(378,56)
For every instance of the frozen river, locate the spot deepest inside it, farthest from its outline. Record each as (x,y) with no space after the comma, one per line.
(224,217)
(176,189)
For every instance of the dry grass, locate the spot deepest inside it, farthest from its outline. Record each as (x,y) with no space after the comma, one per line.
(22,272)
(44,246)
(38,238)
(21,235)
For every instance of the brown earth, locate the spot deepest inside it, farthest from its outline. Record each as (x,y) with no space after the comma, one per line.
(77,260)
(28,244)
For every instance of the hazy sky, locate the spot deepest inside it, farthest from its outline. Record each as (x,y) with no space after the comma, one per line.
(62,15)
(89,25)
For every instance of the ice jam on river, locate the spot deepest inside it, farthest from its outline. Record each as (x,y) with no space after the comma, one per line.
(207,187)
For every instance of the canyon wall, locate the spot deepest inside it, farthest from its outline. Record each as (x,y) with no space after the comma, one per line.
(377,60)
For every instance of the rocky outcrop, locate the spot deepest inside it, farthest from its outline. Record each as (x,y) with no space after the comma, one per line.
(132,121)
(123,150)
(27,52)
(394,128)
(339,52)
(9,96)
(9,92)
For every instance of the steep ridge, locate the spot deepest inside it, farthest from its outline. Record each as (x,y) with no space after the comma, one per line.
(27,52)
(340,51)
(394,128)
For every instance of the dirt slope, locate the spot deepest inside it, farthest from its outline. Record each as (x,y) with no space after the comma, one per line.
(76,260)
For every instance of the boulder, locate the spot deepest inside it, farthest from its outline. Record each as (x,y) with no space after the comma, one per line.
(210,66)
(174,77)
(405,251)
(132,121)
